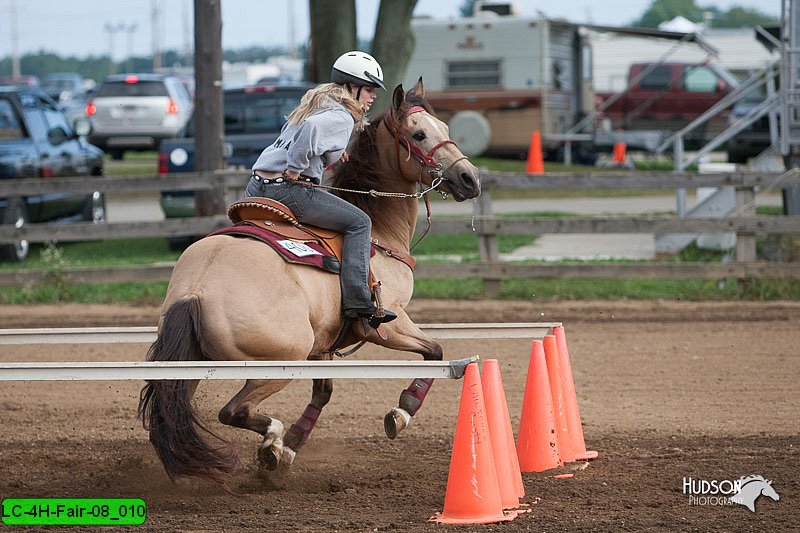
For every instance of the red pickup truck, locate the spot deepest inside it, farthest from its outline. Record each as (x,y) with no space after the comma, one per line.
(667,96)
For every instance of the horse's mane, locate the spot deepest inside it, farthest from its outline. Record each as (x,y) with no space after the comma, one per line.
(745,480)
(363,171)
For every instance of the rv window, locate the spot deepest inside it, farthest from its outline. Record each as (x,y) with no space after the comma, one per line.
(657,79)
(473,74)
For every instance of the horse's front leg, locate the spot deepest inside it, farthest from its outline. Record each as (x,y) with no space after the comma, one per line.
(403,334)
(298,434)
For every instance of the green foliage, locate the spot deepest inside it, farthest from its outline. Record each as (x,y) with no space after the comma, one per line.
(549,290)
(121,252)
(663,10)
(736,17)
(148,293)
(466,245)
(98,67)
(467,8)
(740,17)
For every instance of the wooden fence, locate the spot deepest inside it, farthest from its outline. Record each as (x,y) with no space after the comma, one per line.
(745,224)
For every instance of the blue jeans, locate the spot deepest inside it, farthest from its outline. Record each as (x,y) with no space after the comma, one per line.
(318,207)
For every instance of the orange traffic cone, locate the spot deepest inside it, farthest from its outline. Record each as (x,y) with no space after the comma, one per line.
(535,161)
(509,477)
(556,389)
(537,446)
(473,494)
(571,399)
(619,153)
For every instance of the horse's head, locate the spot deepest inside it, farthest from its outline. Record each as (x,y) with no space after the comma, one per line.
(428,154)
(768,491)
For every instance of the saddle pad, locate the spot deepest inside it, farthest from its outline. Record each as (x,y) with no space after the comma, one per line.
(307,252)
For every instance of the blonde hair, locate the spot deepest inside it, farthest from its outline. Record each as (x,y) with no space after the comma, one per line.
(315,99)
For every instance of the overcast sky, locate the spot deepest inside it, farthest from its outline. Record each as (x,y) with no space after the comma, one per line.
(79,27)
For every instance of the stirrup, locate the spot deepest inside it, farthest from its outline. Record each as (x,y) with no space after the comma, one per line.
(375,321)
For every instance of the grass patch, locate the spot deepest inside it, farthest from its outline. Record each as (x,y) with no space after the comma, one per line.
(146,293)
(550,290)
(120,252)
(466,244)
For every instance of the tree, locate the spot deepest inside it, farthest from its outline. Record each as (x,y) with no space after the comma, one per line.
(467,8)
(333,32)
(208,114)
(393,43)
(740,17)
(663,10)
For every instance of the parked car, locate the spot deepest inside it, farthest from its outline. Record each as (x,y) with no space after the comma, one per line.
(669,96)
(137,112)
(254,116)
(25,80)
(752,140)
(68,89)
(37,141)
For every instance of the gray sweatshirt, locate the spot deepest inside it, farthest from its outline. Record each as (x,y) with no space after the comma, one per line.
(312,145)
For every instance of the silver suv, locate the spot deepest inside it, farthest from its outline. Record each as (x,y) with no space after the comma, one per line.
(137,111)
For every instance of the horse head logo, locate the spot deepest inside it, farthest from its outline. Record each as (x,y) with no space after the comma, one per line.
(750,488)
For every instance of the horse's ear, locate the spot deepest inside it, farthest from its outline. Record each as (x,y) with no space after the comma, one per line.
(419,88)
(397,97)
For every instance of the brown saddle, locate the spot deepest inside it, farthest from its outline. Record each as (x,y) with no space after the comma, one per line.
(274,216)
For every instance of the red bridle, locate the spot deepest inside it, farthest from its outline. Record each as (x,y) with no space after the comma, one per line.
(427,160)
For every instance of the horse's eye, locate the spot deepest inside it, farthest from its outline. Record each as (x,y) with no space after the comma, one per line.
(419,136)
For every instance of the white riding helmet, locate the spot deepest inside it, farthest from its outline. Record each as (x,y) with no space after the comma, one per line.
(357,68)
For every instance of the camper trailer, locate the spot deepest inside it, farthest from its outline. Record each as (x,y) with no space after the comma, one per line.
(497,76)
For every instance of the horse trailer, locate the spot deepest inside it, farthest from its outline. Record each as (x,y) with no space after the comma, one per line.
(495,78)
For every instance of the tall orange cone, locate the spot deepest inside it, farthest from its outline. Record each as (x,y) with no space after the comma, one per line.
(535,163)
(537,445)
(559,408)
(509,477)
(619,153)
(473,494)
(571,399)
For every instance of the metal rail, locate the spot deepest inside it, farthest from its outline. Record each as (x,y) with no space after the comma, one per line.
(159,370)
(147,334)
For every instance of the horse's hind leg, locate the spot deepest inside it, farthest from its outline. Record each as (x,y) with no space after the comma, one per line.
(239,413)
(298,434)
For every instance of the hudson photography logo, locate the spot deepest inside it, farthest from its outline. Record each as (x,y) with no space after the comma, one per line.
(743,491)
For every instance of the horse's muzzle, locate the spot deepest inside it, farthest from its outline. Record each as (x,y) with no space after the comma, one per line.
(467,186)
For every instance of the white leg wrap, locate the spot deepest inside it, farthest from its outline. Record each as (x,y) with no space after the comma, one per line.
(274,436)
(288,456)
(396,421)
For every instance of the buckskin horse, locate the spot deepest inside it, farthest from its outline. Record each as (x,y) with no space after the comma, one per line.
(232,298)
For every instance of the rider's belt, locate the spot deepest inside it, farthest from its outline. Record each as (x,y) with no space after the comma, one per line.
(276,177)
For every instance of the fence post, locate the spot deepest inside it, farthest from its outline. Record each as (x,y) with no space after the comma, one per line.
(745,240)
(487,244)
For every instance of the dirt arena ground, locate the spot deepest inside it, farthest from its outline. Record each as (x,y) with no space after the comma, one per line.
(667,390)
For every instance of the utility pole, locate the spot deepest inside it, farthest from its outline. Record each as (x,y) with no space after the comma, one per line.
(112,31)
(208,113)
(130,29)
(291,21)
(16,71)
(155,28)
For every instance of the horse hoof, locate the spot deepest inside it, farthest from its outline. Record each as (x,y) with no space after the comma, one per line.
(396,421)
(287,458)
(269,458)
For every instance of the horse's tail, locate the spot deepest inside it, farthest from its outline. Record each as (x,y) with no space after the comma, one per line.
(166,410)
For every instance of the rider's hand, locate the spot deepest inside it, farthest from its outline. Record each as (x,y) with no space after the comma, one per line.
(291,175)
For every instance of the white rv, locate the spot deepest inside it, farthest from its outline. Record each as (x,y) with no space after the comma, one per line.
(497,78)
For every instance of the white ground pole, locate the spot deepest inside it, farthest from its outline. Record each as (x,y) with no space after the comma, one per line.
(157,370)
(147,334)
